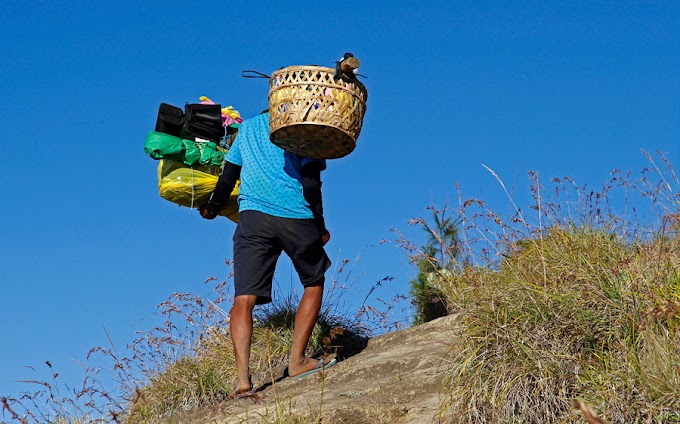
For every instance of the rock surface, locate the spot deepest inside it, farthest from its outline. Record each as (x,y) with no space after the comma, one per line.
(398,378)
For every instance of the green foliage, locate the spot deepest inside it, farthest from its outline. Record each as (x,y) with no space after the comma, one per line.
(438,254)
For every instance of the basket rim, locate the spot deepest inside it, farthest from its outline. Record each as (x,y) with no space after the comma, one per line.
(301,67)
(287,69)
(324,84)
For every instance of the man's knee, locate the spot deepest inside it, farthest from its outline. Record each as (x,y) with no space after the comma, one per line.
(244,303)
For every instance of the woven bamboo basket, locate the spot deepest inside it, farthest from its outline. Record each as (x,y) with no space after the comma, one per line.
(312,114)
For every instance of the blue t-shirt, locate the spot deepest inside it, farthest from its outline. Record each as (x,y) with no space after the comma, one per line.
(271,178)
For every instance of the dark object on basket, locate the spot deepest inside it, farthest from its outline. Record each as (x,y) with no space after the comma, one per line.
(346,68)
(204,121)
(170,120)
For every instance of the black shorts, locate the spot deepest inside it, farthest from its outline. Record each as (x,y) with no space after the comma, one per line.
(258,241)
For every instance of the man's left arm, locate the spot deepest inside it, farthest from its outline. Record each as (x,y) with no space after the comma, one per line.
(311,189)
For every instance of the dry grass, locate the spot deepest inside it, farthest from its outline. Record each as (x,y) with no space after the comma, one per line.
(571,302)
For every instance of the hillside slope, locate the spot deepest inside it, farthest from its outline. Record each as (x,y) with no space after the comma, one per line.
(396,379)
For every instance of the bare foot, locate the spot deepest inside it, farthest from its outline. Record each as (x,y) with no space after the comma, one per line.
(306,365)
(242,388)
(242,394)
(246,392)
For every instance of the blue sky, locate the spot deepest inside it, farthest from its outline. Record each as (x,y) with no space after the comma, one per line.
(563,88)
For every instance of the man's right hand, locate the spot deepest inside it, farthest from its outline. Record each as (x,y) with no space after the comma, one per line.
(205,213)
(325,238)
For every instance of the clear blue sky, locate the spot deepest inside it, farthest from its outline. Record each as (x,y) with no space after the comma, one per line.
(564,88)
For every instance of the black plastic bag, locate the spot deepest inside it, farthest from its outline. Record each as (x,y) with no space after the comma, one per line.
(204,121)
(170,120)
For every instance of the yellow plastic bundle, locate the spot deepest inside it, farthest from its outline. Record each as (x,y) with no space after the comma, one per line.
(191,186)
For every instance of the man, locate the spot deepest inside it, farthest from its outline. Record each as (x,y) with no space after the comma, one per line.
(280,209)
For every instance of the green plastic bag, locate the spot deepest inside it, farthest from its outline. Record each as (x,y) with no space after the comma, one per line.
(165,146)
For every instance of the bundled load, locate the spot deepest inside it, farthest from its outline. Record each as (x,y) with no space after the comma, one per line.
(317,112)
(191,145)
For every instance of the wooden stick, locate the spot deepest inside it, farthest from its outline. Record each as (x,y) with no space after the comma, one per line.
(350,64)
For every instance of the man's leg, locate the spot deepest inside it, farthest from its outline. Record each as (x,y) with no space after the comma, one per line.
(241,324)
(255,255)
(305,319)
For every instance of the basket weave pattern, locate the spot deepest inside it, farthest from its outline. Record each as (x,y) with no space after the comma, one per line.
(312,114)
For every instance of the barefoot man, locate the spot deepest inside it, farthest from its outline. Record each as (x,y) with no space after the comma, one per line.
(280,209)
